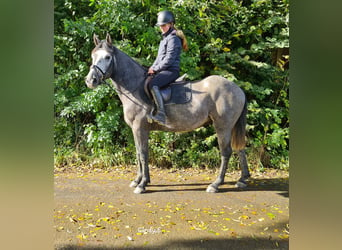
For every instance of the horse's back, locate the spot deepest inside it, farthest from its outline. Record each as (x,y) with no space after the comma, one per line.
(213,99)
(220,87)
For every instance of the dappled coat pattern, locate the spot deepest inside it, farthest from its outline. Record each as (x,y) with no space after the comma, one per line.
(215,100)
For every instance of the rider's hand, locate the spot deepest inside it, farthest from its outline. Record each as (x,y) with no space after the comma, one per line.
(151,71)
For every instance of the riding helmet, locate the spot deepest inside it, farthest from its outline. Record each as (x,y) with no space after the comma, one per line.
(165,17)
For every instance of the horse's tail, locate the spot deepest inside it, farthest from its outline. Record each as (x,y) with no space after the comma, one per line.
(239,131)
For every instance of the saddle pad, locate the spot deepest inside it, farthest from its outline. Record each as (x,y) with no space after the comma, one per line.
(180,93)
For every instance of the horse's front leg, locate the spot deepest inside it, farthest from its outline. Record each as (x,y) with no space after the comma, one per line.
(141,144)
(137,180)
(242,182)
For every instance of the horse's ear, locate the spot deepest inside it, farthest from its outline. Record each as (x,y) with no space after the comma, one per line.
(96,39)
(108,39)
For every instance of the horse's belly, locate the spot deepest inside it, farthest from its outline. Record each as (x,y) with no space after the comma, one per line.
(182,118)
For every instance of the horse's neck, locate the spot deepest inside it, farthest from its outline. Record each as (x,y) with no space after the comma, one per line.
(128,77)
(127,73)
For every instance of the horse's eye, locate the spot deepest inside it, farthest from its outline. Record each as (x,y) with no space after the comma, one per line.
(107,57)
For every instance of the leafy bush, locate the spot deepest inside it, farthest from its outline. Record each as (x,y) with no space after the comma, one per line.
(244,41)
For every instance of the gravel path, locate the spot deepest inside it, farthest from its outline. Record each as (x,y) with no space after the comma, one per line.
(97,210)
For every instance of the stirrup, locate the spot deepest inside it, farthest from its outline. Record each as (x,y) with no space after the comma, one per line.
(159,118)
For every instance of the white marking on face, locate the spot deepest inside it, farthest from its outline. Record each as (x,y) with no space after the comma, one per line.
(102,59)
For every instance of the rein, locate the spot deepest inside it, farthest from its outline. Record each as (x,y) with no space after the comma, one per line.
(128,97)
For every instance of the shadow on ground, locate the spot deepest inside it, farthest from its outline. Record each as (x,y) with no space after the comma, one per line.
(241,244)
(275,184)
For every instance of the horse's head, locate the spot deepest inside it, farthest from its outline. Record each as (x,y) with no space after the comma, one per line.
(102,62)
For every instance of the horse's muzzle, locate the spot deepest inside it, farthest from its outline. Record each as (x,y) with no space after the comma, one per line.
(92,79)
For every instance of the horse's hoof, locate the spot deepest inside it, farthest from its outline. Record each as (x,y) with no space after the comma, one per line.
(211,189)
(139,190)
(133,184)
(240,184)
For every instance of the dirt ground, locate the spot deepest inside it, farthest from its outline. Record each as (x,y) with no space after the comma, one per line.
(98,210)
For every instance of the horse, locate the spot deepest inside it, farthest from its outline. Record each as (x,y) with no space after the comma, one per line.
(215,100)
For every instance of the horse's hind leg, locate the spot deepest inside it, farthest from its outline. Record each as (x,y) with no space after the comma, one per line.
(226,151)
(241,183)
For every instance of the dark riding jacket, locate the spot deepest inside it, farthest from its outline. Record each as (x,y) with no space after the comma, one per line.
(169,52)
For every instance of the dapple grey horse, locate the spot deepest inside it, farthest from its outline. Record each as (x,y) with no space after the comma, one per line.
(215,100)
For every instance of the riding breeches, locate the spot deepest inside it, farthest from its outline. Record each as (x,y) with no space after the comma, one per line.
(163,78)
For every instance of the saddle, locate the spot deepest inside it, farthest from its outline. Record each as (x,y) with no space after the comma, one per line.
(178,92)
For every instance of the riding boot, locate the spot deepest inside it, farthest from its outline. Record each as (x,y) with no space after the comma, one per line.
(158,99)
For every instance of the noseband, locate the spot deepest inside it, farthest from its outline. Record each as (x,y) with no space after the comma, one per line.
(104,75)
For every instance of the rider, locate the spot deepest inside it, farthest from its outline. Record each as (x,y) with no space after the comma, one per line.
(166,66)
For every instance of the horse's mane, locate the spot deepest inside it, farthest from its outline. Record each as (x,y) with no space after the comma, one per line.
(130,58)
(113,50)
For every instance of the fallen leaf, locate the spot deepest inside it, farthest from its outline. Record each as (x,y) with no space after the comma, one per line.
(244,217)
(283,236)
(233,234)
(72,220)
(213,232)
(117,236)
(82,236)
(271,216)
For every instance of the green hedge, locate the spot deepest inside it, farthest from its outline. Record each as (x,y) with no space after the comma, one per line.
(244,41)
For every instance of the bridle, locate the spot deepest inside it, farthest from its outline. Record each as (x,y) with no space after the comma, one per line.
(104,75)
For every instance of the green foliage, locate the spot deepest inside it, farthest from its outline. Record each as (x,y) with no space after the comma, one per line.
(245,41)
